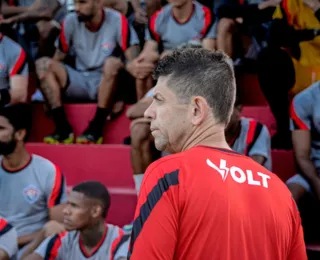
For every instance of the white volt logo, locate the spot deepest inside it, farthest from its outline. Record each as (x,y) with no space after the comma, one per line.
(239,175)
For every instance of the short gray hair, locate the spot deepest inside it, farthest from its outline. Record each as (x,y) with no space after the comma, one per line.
(200,72)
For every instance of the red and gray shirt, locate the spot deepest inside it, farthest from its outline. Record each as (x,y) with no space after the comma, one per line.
(164,28)
(68,245)
(90,49)
(253,139)
(8,238)
(13,61)
(27,194)
(305,115)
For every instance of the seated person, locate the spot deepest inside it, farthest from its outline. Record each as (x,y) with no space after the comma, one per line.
(291,61)
(238,22)
(8,240)
(98,38)
(249,137)
(14,72)
(31,187)
(174,26)
(37,21)
(87,234)
(143,151)
(305,129)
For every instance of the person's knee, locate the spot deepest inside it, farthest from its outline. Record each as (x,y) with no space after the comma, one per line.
(226,25)
(140,133)
(112,67)
(43,66)
(296,190)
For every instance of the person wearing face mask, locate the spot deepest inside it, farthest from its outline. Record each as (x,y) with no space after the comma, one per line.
(32,189)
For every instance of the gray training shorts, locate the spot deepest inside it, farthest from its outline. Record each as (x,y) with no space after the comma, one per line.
(299,180)
(82,85)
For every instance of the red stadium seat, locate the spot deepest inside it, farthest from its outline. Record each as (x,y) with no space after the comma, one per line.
(249,90)
(79,115)
(109,164)
(283,164)
(262,114)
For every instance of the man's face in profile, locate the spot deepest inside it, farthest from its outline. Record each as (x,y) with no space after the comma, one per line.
(169,118)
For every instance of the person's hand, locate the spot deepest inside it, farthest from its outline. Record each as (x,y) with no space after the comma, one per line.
(165,53)
(140,16)
(313,4)
(52,228)
(149,56)
(140,70)
(8,21)
(141,120)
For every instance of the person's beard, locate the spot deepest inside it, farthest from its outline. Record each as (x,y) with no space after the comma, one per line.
(7,148)
(84,18)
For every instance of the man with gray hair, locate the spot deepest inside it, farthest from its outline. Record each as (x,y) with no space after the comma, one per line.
(206,201)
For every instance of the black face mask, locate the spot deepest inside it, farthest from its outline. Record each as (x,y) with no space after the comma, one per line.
(7,148)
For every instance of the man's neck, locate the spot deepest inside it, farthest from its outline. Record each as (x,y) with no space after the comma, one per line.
(91,236)
(209,135)
(93,24)
(17,159)
(183,14)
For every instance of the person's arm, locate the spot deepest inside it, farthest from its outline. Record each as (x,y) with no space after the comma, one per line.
(137,110)
(301,113)
(8,240)
(149,240)
(208,31)
(18,76)
(298,249)
(44,10)
(56,192)
(140,15)
(64,40)
(260,149)
(50,248)
(50,229)
(10,10)
(302,149)
(4,255)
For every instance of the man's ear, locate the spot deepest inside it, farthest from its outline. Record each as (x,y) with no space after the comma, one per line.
(20,134)
(200,110)
(96,211)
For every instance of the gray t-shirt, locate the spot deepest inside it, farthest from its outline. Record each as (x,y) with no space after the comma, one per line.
(27,194)
(254,139)
(90,49)
(68,245)
(305,115)
(170,34)
(8,238)
(13,61)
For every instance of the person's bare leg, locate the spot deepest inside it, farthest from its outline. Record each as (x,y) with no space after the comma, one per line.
(297,191)
(141,154)
(107,87)
(53,78)
(143,86)
(225,36)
